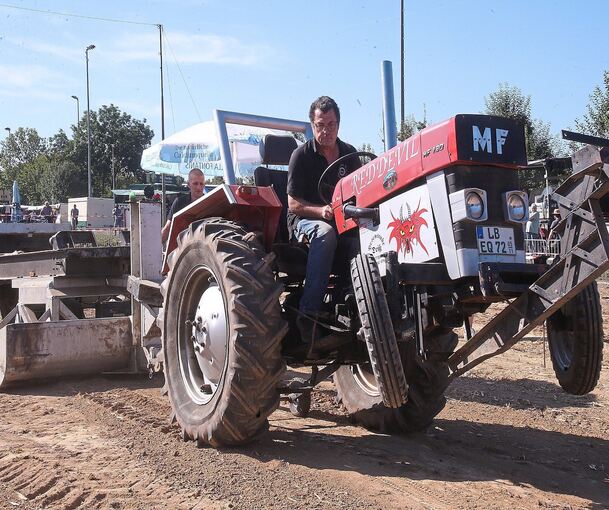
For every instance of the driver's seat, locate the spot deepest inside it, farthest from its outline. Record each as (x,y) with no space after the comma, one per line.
(276,150)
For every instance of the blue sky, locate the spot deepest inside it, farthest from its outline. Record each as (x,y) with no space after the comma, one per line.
(274,57)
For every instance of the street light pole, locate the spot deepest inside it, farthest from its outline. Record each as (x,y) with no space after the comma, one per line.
(77,109)
(9,130)
(89,189)
(113,186)
(402,65)
(163,190)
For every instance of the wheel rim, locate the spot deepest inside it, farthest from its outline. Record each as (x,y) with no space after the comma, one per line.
(364,378)
(202,335)
(564,353)
(564,339)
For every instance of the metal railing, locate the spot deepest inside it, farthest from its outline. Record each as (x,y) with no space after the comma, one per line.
(537,247)
(549,247)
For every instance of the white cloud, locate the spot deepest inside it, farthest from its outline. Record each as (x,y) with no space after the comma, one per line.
(31,81)
(186,48)
(194,49)
(138,109)
(71,53)
(25,75)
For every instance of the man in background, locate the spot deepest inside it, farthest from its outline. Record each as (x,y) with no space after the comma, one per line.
(74,216)
(47,212)
(196,185)
(555,220)
(117,212)
(532,227)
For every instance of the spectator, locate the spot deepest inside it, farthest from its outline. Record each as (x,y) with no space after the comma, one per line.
(117,214)
(196,184)
(532,228)
(555,221)
(47,212)
(74,215)
(553,236)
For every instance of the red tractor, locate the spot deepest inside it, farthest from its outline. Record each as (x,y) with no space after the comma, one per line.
(431,232)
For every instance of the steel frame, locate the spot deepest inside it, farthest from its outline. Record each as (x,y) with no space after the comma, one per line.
(584,257)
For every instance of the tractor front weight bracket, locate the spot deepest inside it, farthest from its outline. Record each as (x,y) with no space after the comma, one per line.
(583,258)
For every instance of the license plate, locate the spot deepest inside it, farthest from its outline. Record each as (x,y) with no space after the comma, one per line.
(495,240)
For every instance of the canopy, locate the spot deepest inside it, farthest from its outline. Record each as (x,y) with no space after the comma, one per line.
(197,146)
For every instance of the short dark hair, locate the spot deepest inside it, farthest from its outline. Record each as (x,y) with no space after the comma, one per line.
(196,171)
(325,104)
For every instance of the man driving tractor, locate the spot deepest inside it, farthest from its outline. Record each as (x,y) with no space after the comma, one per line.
(309,217)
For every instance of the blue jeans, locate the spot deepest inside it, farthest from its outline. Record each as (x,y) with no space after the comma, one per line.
(322,245)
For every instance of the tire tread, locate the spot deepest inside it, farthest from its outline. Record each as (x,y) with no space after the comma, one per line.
(255,366)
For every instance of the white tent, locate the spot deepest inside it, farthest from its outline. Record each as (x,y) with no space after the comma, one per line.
(197,146)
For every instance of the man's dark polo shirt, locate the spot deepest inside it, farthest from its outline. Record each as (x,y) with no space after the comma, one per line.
(304,172)
(179,204)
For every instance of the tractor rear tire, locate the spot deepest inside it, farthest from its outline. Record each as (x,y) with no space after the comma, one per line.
(377,329)
(575,338)
(222,332)
(427,380)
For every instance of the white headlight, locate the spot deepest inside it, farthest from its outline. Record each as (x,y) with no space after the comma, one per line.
(468,204)
(517,209)
(474,205)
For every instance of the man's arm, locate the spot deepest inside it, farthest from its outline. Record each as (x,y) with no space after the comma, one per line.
(297,183)
(167,226)
(304,209)
(165,231)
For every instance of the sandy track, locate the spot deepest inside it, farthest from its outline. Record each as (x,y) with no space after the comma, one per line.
(508,438)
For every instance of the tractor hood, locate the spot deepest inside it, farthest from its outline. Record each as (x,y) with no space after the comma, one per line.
(462,140)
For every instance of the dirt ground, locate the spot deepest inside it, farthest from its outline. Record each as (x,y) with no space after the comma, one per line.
(508,438)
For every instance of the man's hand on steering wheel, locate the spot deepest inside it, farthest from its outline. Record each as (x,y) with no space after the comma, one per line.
(327,213)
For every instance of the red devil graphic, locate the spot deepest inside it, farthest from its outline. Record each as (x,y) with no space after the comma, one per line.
(407,231)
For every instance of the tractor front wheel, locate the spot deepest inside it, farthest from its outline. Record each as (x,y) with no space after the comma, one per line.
(575,337)
(358,392)
(222,332)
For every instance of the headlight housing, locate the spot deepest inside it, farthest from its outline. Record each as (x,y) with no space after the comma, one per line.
(468,204)
(516,206)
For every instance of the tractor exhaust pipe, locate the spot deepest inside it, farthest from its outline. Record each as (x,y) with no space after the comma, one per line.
(390,128)
(351,211)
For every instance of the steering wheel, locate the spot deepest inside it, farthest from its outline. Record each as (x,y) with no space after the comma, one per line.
(335,172)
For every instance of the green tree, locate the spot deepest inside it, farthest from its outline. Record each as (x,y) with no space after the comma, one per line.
(366,147)
(60,145)
(29,177)
(61,180)
(22,146)
(111,127)
(596,120)
(410,126)
(56,169)
(510,101)
(49,178)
